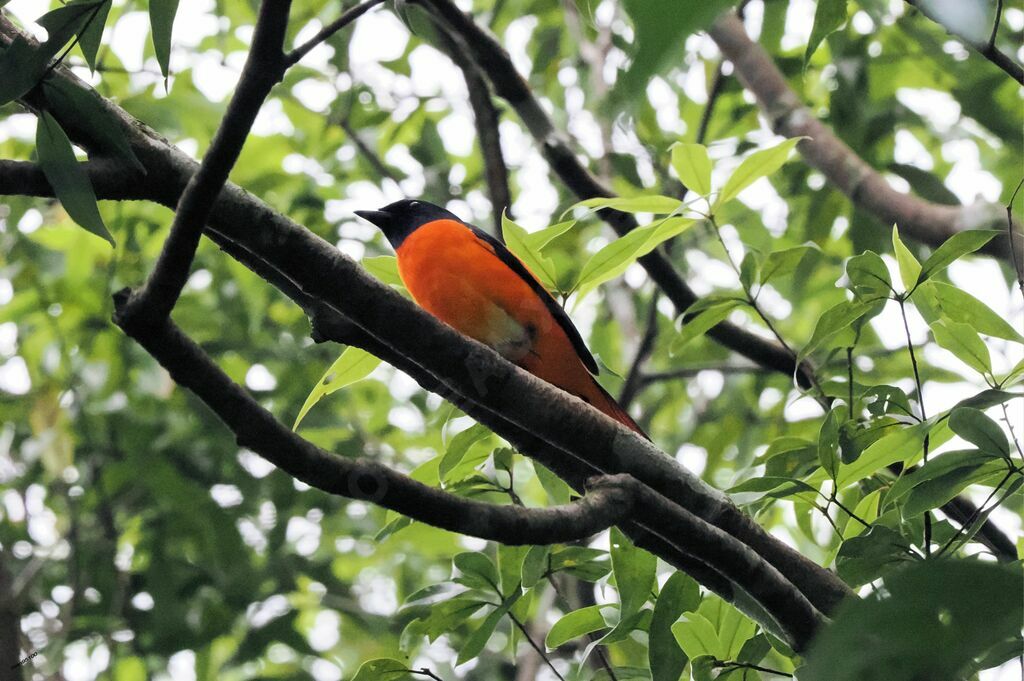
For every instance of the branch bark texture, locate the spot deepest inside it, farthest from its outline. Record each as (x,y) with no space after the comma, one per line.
(926,222)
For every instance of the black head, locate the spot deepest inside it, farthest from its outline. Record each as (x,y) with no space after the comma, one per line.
(400,219)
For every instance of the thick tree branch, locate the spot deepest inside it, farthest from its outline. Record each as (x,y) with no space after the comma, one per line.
(926,222)
(263,69)
(494,61)
(609,500)
(986,48)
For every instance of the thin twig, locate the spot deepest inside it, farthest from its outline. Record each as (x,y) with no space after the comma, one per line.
(986,49)
(1018,265)
(263,69)
(330,29)
(924,417)
(535,646)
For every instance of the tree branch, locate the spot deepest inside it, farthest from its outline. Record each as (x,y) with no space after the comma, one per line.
(495,62)
(486,118)
(263,69)
(609,499)
(293,57)
(986,48)
(926,222)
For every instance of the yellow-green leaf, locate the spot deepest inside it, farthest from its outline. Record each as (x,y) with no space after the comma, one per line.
(693,166)
(759,164)
(353,365)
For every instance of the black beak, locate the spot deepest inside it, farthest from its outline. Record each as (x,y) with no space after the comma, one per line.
(376,217)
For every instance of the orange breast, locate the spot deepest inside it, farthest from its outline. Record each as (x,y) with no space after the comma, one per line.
(457,277)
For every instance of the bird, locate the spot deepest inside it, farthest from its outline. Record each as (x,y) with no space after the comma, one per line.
(472,282)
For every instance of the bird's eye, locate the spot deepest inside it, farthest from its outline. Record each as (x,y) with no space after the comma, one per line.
(413,204)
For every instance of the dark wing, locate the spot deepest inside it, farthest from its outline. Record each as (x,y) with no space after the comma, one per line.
(516,265)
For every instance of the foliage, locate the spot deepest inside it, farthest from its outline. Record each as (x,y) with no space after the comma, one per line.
(146,541)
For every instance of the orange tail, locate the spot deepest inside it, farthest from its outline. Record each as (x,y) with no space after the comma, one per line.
(609,406)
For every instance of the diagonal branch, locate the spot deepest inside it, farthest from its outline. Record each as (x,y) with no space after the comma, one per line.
(263,69)
(486,118)
(609,499)
(926,222)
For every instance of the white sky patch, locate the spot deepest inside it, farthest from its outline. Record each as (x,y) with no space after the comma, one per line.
(271,120)
(517,38)
(255,465)
(226,496)
(967,179)
(936,107)
(910,151)
(314,94)
(14,376)
(259,378)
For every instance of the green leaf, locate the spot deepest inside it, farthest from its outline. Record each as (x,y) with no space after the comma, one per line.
(733,628)
(130,669)
(954,247)
(23,66)
(542,237)
(1013,375)
(575,624)
(659,205)
(353,365)
(936,299)
(616,257)
(910,269)
(70,100)
(759,164)
(785,262)
(940,489)
(535,565)
(869,277)
(900,445)
(977,428)
(69,181)
(478,639)
(934,619)
(91,33)
(828,442)
(161,19)
(963,341)
(381,669)
(384,268)
(477,570)
(518,241)
(680,594)
(835,320)
(865,557)
(634,571)
(697,636)
(459,447)
(749,269)
(661,30)
(701,324)
(774,486)
(937,466)
(828,17)
(583,563)
(693,166)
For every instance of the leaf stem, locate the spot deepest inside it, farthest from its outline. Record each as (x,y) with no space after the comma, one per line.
(924,417)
